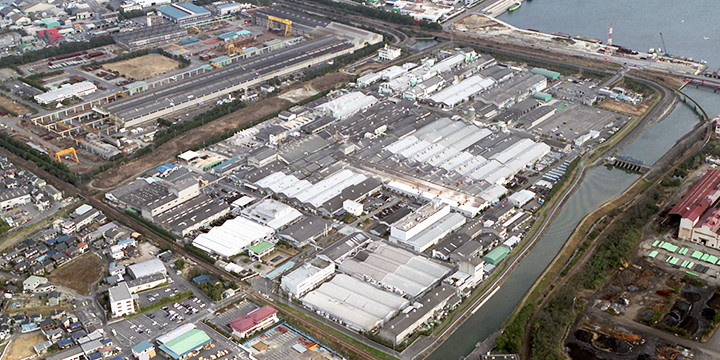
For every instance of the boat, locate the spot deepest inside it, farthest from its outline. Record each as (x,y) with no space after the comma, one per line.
(514,7)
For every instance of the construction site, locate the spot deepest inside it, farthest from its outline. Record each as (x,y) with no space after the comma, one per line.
(126,88)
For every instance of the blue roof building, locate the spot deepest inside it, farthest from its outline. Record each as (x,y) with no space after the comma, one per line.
(184,13)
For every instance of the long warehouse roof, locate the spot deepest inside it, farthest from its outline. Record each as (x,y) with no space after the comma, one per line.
(232,237)
(237,73)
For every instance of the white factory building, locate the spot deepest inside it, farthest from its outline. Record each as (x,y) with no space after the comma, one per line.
(368,79)
(272,213)
(394,268)
(308,276)
(13,197)
(347,105)
(414,223)
(303,191)
(462,91)
(520,198)
(78,89)
(423,228)
(354,303)
(389,53)
(147,268)
(232,237)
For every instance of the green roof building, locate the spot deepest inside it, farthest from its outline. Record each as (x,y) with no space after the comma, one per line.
(542,96)
(49,23)
(496,255)
(181,346)
(221,60)
(261,249)
(228,36)
(550,75)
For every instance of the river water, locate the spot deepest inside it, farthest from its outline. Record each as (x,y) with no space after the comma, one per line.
(592,18)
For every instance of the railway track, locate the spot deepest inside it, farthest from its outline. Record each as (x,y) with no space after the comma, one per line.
(70,190)
(316,330)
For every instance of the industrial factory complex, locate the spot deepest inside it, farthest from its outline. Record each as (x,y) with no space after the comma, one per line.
(240,62)
(407,188)
(282,166)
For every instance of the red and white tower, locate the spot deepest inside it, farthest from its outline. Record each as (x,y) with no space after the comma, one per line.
(608,47)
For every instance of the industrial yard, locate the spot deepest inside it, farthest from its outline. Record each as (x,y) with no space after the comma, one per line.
(110,106)
(143,67)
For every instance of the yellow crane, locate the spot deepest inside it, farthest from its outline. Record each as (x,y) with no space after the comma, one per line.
(232,50)
(71,151)
(182,49)
(288,24)
(195,28)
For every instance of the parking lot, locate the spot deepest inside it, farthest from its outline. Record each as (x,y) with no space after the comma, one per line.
(284,343)
(148,297)
(157,322)
(241,309)
(577,120)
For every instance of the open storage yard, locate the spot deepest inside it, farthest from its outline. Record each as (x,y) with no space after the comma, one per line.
(143,67)
(79,275)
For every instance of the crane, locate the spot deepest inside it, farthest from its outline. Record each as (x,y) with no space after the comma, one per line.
(70,151)
(288,24)
(665,50)
(182,49)
(232,50)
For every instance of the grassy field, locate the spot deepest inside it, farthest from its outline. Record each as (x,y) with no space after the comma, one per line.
(22,346)
(143,67)
(80,274)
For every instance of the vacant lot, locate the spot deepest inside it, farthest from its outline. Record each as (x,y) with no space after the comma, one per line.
(13,106)
(80,274)
(167,151)
(625,108)
(22,346)
(143,67)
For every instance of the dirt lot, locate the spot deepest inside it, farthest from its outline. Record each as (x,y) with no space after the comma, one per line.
(7,73)
(13,106)
(22,346)
(143,67)
(297,94)
(166,152)
(80,274)
(475,23)
(625,108)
